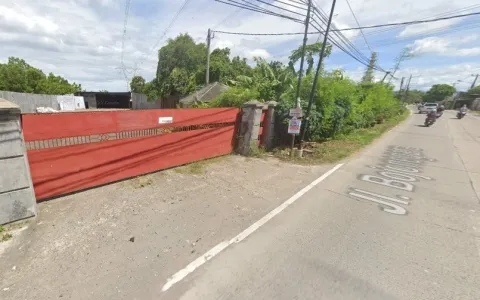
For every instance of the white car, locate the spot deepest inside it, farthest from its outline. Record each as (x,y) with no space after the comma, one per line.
(428,107)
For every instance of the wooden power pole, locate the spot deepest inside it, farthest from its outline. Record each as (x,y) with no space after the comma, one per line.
(401,85)
(386,74)
(474,82)
(302,59)
(207,72)
(315,79)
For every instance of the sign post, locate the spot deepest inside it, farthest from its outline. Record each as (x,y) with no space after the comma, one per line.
(294,126)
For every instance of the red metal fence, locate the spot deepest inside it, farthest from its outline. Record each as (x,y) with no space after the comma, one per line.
(68,152)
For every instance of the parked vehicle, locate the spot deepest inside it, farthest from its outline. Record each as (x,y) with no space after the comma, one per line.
(428,107)
(461,114)
(431,118)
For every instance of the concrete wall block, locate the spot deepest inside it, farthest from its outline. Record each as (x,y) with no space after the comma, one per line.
(269,123)
(16,205)
(249,126)
(29,102)
(10,138)
(14,174)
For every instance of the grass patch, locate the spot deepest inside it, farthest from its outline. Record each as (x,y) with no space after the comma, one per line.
(142,181)
(199,167)
(256,151)
(342,146)
(4,235)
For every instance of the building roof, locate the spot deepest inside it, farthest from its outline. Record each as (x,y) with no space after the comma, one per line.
(205,94)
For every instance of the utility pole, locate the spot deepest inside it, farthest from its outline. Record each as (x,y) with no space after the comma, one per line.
(401,85)
(207,72)
(407,88)
(386,74)
(315,80)
(474,81)
(305,38)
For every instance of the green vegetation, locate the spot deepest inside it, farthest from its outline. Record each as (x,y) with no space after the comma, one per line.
(18,76)
(4,235)
(181,68)
(342,146)
(413,96)
(475,92)
(438,92)
(340,105)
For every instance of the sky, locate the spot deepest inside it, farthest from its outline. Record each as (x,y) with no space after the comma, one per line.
(84,40)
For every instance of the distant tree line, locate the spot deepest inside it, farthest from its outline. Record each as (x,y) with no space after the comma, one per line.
(18,76)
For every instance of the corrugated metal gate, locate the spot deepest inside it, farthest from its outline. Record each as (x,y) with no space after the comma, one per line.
(68,152)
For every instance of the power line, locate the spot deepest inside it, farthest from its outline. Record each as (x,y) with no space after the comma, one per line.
(279,7)
(433,33)
(358,24)
(447,13)
(356,28)
(354,51)
(259,10)
(291,5)
(164,33)
(228,17)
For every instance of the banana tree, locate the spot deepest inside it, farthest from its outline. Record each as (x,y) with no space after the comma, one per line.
(270,79)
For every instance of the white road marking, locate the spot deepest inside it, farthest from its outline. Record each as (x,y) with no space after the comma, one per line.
(244,234)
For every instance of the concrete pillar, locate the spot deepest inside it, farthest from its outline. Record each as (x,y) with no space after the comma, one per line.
(249,126)
(269,126)
(17,198)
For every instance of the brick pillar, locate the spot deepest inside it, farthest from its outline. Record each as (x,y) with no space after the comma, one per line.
(249,126)
(269,126)
(17,198)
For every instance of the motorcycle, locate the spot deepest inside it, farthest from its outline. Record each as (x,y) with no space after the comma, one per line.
(461,114)
(431,118)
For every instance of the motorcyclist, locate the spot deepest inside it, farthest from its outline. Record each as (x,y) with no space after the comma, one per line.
(463,109)
(433,114)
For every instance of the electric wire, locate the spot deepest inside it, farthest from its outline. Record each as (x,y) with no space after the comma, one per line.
(172,22)
(358,24)
(353,28)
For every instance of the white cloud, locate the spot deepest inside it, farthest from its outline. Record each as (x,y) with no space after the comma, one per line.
(459,74)
(82,39)
(257,53)
(445,46)
(418,29)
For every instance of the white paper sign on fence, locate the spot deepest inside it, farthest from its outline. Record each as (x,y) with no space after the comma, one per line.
(294,126)
(79,102)
(67,103)
(165,120)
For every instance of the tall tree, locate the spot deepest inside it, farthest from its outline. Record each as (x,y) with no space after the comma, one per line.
(368,77)
(311,51)
(137,84)
(183,55)
(438,92)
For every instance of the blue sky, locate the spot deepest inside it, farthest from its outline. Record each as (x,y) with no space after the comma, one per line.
(82,39)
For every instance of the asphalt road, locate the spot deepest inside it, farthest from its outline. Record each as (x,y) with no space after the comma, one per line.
(399,220)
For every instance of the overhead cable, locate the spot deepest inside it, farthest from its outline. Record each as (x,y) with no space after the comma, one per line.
(355,28)
(358,24)
(165,32)
(259,10)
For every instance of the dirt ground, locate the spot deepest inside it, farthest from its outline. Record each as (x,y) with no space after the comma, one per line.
(114,241)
